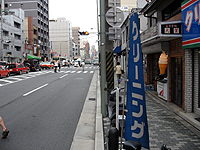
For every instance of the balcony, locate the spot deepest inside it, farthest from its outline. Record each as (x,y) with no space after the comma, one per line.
(162,31)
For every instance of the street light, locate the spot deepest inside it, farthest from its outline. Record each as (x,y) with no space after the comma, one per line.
(60,46)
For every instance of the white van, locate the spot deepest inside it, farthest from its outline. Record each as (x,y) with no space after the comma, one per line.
(76,63)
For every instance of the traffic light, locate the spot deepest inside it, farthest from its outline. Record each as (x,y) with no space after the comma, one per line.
(83,33)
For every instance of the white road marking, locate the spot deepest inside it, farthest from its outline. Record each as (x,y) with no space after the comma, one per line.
(6,81)
(35,89)
(63,76)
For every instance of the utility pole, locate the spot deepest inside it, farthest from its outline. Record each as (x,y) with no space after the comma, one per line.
(103,58)
(2,11)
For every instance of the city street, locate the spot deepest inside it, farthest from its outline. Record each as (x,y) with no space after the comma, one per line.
(42,109)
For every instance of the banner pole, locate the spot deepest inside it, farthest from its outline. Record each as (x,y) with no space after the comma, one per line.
(125,84)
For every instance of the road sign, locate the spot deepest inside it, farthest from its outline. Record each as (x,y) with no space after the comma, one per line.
(114,17)
(114,3)
(114,33)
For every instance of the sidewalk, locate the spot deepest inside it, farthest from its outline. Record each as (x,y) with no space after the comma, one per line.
(168,124)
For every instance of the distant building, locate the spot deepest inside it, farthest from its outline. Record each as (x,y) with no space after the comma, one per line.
(129,4)
(76,40)
(31,38)
(39,11)
(60,37)
(13,36)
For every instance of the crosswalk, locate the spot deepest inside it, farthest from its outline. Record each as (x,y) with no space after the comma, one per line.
(72,70)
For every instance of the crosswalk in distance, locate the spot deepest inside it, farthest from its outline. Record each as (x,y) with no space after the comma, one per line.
(17,78)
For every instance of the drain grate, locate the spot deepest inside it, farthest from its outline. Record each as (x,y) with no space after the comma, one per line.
(198,119)
(92,99)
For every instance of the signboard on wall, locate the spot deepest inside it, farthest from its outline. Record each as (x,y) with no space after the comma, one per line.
(190,23)
(173,28)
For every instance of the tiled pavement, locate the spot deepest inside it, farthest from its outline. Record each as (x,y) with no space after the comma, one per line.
(165,127)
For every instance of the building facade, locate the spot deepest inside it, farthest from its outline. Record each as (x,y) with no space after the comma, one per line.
(76,40)
(165,33)
(60,36)
(39,11)
(13,37)
(31,38)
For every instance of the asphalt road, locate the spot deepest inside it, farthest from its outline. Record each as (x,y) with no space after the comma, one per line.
(42,109)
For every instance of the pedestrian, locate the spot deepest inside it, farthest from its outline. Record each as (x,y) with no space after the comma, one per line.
(83,65)
(118,71)
(55,66)
(59,65)
(5,131)
(68,64)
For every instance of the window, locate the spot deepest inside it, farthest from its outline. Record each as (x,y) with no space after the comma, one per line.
(5,33)
(17,48)
(171,10)
(18,37)
(17,25)
(153,19)
(5,46)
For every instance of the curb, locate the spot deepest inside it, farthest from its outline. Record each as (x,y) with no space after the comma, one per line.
(99,135)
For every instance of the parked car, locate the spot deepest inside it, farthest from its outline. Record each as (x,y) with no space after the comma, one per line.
(4,72)
(3,63)
(33,64)
(47,65)
(17,68)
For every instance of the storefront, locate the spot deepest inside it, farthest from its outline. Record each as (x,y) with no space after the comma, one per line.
(191,44)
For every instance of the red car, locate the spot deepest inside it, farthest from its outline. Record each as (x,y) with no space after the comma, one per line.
(17,68)
(4,72)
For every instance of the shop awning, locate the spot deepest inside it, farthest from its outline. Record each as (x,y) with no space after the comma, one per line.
(117,49)
(33,57)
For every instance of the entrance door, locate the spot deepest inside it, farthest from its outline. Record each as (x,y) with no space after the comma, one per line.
(176,81)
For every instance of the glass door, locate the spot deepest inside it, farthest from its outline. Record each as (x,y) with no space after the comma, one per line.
(176,80)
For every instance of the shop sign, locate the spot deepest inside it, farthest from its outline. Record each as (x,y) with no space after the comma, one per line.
(171,28)
(190,23)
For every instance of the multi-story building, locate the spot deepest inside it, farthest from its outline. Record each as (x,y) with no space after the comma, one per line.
(76,39)
(60,36)
(31,38)
(166,28)
(12,35)
(39,11)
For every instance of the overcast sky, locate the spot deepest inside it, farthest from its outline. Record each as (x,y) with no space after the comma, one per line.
(81,13)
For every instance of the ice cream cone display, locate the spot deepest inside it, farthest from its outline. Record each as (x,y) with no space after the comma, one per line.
(163,61)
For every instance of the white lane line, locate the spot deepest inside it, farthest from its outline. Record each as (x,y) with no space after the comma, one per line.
(35,89)
(72,71)
(85,71)
(7,81)
(15,78)
(91,71)
(79,71)
(63,76)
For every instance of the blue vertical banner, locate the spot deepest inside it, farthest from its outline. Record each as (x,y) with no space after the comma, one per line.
(136,127)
